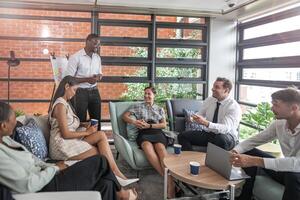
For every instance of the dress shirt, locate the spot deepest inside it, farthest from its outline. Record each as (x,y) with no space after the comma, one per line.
(289,143)
(81,65)
(229,116)
(21,170)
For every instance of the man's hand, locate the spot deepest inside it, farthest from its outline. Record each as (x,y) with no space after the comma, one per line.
(61,165)
(98,76)
(243,160)
(201,120)
(92,80)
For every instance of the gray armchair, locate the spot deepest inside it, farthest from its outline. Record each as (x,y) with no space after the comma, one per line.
(129,150)
(176,116)
(175,112)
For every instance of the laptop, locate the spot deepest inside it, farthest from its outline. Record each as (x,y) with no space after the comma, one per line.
(218,160)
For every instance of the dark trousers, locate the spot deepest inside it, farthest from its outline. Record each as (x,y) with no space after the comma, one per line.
(202,138)
(92,173)
(5,193)
(291,180)
(87,100)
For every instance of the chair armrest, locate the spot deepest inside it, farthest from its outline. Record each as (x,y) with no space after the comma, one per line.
(75,195)
(125,149)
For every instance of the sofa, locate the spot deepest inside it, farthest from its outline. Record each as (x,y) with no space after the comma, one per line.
(42,122)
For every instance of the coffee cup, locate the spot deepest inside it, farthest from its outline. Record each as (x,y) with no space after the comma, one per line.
(177,149)
(194,168)
(94,122)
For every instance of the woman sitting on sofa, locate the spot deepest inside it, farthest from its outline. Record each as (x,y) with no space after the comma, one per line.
(150,120)
(70,141)
(22,172)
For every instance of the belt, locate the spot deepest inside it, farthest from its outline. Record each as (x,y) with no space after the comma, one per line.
(89,89)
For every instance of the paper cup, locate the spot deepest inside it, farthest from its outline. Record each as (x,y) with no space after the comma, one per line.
(194,168)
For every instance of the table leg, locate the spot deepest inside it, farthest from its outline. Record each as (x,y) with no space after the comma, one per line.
(166,184)
(232,188)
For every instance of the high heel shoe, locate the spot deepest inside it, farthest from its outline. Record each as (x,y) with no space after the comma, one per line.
(125,182)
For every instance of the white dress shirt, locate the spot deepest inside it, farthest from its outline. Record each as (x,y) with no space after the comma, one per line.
(289,143)
(229,116)
(82,66)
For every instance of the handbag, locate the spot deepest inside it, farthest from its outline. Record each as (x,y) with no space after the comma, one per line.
(171,137)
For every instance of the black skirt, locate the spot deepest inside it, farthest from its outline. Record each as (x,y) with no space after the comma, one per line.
(151,135)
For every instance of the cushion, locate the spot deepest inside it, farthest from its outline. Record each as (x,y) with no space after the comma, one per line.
(13,136)
(132,130)
(191,125)
(31,136)
(41,121)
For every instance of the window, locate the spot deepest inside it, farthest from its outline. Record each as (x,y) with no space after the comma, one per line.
(268,60)
(269,57)
(169,52)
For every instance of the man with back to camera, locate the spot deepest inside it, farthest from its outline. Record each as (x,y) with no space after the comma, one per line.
(286,128)
(85,66)
(219,115)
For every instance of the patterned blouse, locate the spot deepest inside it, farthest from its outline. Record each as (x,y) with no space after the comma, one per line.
(151,114)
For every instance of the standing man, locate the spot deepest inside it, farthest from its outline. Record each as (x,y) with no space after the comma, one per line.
(85,66)
(286,107)
(220,116)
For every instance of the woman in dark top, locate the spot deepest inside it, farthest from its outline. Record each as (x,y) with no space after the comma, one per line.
(150,120)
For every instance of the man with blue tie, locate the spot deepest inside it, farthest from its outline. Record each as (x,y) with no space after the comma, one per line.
(219,116)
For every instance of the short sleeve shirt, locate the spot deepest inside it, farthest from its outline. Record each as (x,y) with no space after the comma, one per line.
(148,113)
(82,66)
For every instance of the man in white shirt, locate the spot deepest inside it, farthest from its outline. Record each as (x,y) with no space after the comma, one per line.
(286,107)
(85,66)
(220,116)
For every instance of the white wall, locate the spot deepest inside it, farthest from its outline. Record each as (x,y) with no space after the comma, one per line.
(222,52)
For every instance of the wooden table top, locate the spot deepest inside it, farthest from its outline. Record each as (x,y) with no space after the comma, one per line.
(179,168)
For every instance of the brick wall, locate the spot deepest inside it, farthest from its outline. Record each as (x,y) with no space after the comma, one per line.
(58,29)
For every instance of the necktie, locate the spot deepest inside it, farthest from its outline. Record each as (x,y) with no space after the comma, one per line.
(215,119)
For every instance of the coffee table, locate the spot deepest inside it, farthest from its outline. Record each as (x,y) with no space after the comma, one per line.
(178,167)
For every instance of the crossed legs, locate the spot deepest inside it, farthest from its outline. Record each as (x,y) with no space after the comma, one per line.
(101,146)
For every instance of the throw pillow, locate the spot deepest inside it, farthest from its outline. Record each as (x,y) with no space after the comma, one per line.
(132,130)
(31,136)
(189,124)
(13,136)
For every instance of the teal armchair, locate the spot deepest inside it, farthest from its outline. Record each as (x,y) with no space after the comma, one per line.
(129,150)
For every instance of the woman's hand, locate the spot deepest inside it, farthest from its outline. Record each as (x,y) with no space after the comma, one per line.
(92,129)
(145,124)
(138,124)
(85,124)
(61,165)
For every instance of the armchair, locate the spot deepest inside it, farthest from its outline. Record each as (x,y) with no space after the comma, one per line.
(175,112)
(176,116)
(129,150)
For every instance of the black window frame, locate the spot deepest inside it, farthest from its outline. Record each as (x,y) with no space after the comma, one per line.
(152,43)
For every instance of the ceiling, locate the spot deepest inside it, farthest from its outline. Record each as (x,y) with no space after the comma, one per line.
(213,8)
